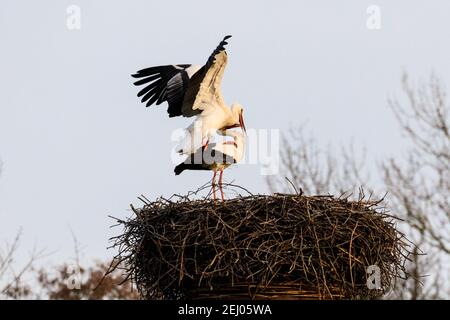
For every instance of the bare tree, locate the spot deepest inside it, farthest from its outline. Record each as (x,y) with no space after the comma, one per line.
(84,283)
(73,281)
(68,281)
(319,170)
(419,184)
(12,284)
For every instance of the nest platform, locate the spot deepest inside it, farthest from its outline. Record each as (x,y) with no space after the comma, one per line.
(281,246)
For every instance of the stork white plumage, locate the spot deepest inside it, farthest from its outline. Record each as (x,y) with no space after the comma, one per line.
(216,157)
(191,90)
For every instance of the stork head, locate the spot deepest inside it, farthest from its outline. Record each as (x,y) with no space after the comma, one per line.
(238,116)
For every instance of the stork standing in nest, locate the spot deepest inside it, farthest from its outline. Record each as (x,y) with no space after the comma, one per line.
(193,90)
(216,157)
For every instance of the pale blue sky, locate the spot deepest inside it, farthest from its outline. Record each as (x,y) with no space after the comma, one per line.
(77,145)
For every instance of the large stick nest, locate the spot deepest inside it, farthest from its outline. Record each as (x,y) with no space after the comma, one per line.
(260,246)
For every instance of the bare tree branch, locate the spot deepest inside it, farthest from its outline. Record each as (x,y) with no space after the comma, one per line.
(418,185)
(11,279)
(316,170)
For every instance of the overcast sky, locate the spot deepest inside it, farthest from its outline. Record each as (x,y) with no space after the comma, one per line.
(77,145)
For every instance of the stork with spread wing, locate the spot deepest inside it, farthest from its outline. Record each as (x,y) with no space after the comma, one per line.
(192,90)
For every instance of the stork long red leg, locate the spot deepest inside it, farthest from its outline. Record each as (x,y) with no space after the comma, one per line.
(220,184)
(214,184)
(205,143)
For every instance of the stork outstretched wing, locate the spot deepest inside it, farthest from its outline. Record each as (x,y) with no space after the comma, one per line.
(188,89)
(166,83)
(204,90)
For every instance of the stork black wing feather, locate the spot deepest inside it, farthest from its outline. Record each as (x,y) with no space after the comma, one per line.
(220,48)
(162,97)
(147,72)
(152,100)
(148,88)
(164,83)
(146,80)
(153,91)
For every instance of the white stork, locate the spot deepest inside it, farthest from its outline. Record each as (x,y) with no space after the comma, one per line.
(216,157)
(192,90)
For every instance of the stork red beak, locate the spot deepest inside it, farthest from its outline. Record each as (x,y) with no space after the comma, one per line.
(241,123)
